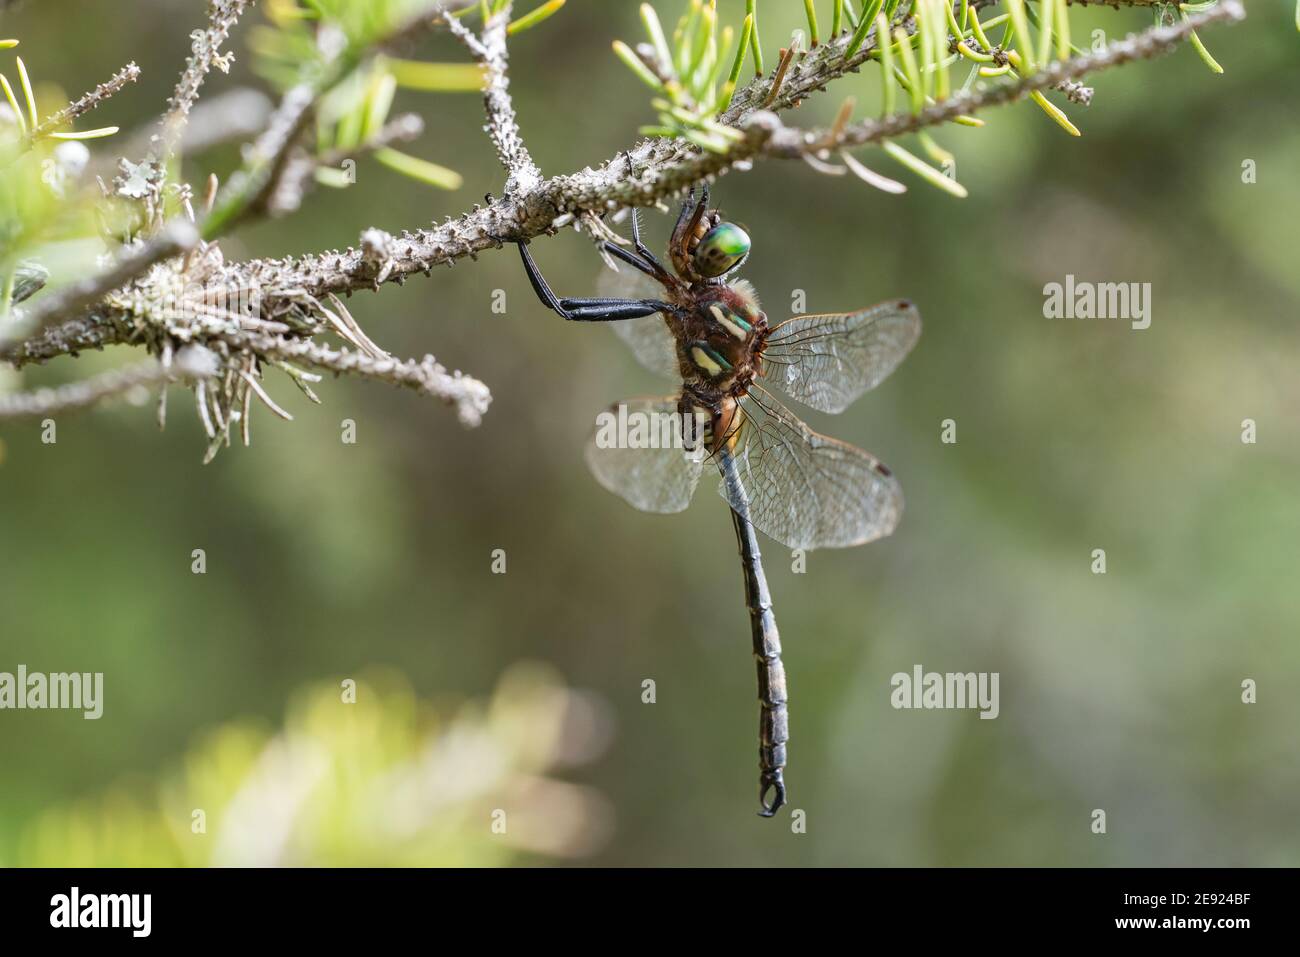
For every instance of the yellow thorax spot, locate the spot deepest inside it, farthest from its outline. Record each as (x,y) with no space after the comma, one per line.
(708,360)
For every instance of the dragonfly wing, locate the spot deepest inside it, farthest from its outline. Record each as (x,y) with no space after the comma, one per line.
(827,361)
(807,490)
(649,338)
(638,452)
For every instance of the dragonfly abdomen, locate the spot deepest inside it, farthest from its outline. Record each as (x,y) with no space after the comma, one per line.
(773,716)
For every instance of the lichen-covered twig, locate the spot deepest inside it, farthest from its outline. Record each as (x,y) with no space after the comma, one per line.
(94,330)
(190,363)
(649,173)
(205,53)
(502,125)
(468,395)
(290,293)
(145,182)
(656,170)
(88,101)
(177,238)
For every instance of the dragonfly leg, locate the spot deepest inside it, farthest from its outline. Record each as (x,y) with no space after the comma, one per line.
(589,310)
(692,209)
(537,280)
(642,249)
(607,310)
(679,245)
(633,260)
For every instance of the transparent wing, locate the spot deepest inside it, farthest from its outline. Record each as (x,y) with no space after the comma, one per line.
(648,338)
(641,452)
(827,361)
(807,490)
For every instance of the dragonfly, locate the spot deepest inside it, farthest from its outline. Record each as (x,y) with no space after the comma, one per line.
(702,325)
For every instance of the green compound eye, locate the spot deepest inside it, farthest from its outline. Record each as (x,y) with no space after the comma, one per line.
(722,247)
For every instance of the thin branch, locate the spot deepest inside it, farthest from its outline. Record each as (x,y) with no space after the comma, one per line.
(71,338)
(88,101)
(468,395)
(178,237)
(248,191)
(286,194)
(205,53)
(189,364)
(503,125)
(826,62)
(255,190)
(231,115)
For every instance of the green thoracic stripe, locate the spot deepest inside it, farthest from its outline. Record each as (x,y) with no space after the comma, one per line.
(716,357)
(708,359)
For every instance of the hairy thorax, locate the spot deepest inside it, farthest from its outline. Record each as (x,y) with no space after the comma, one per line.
(720,334)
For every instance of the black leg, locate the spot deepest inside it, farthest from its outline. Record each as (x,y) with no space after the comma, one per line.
(633,260)
(604,310)
(589,310)
(643,259)
(642,250)
(538,281)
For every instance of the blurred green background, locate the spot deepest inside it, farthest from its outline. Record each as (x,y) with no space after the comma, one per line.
(328,561)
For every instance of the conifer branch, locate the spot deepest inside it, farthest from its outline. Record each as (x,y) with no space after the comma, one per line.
(290,294)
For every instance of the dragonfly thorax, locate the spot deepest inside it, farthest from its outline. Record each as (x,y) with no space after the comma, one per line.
(721,336)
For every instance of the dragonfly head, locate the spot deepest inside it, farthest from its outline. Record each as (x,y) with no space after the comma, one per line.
(703,248)
(723,248)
